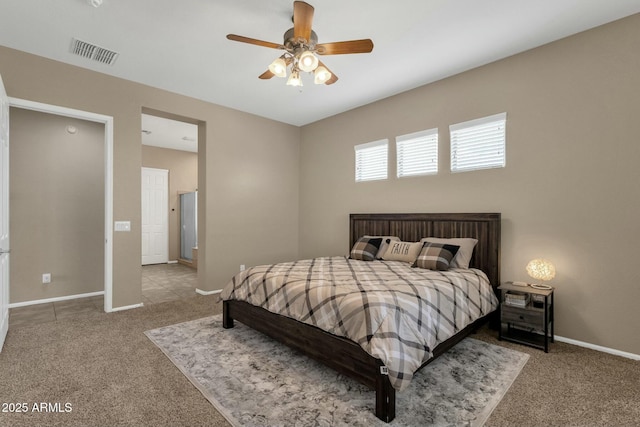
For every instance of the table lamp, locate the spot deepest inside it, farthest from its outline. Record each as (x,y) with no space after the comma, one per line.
(541,269)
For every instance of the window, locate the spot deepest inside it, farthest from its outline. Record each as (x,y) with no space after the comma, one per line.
(371,160)
(478,144)
(417,153)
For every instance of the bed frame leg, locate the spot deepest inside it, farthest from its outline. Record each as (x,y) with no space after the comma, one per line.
(385,399)
(227,320)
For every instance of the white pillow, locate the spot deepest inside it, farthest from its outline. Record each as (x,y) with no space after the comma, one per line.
(402,251)
(463,257)
(384,245)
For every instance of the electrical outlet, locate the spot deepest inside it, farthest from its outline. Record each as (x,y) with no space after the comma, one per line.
(242,267)
(46,278)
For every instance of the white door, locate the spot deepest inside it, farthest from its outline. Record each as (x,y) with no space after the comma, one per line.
(4,213)
(155,216)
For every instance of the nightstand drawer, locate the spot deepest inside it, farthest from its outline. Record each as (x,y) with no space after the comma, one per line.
(524,317)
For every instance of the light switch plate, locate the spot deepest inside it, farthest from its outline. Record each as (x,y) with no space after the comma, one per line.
(122,226)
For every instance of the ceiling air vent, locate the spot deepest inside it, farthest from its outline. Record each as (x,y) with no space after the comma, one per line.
(93,52)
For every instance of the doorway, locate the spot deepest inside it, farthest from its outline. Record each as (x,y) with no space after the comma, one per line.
(189,227)
(170,142)
(107,150)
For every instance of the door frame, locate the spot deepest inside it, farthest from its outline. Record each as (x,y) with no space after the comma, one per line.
(5,235)
(108,178)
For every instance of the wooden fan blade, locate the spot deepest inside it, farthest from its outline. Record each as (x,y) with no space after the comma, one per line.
(249,40)
(266,75)
(333,78)
(340,48)
(302,19)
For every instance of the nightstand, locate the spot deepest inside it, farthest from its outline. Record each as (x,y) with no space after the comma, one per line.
(526,315)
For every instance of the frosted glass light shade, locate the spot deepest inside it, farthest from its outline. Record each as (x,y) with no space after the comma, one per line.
(307,61)
(294,79)
(321,75)
(278,67)
(541,269)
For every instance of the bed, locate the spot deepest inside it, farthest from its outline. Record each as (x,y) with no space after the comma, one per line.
(347,356)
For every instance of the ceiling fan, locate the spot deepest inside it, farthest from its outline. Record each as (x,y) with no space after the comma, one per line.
(301,47)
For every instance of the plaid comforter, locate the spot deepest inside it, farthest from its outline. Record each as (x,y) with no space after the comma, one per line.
(394,312)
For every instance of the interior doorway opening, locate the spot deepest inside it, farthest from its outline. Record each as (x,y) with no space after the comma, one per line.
(107,121)
(189,228)
(170,143)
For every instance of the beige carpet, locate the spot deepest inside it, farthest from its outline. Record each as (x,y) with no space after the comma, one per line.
(111,374)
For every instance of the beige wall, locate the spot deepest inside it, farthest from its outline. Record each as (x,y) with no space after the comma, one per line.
(56,206)
(569,191)
(183,178)
(247,169)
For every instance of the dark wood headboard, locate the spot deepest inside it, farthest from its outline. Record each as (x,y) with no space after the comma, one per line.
(412,227)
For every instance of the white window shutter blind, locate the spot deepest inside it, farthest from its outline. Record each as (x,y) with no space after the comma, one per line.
(371,160)
(417,153)
(479,144)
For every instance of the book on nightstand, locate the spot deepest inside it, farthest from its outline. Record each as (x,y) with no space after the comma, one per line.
(516,299)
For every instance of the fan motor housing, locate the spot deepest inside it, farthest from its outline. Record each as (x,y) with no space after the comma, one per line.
(290,42)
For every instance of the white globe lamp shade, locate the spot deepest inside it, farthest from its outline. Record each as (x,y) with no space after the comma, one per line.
(541,269)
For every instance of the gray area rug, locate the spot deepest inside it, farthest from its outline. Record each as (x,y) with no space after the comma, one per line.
(256,381)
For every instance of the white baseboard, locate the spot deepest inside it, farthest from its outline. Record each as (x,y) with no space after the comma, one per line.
(56,299)
(173,261)
(128,307)
(201,292)
(598,348)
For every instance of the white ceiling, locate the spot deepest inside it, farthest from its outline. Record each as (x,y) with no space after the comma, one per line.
(167,133)
(180,46)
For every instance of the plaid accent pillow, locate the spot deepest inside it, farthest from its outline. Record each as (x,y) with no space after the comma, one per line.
(384,245)
(436,256)
(366,248)
(463,257)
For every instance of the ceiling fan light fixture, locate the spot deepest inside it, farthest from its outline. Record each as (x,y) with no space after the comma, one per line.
(302,49)
(321,75)
(294,79)
(278,67)
(307,61)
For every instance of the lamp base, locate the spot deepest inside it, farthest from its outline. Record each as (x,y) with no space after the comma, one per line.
(540,286)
